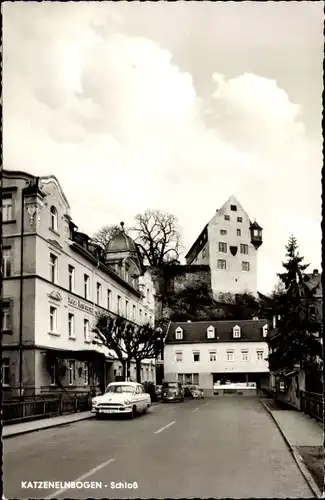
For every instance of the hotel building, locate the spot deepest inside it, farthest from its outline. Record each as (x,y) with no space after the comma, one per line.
(55,281)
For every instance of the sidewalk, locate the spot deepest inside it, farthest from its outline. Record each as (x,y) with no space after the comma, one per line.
(304,436)
(44,423)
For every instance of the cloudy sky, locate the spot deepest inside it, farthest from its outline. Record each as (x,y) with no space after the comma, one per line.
(173,106)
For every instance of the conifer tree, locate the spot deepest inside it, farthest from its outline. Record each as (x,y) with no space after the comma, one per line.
(295,341)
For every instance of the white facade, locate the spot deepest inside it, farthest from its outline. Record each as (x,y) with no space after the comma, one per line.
(246,357)
(59,308)
(231,272)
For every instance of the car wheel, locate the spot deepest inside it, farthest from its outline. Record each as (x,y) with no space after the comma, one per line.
(99,416)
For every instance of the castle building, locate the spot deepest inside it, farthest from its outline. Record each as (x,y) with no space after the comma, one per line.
(229,245)
(55,281)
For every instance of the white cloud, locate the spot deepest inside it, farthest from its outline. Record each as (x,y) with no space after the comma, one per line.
(123,128)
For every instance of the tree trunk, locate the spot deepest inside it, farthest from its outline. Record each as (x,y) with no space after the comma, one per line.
(126,370)
(138,369)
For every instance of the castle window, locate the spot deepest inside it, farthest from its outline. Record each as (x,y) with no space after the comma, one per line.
(210,332)
(221,264)
(223,231)
(222,247)
(245,266)
(54,218)
(244,249)
(178,333)
(227,217)
(238,232)
(233,208)
(236,332)
(239,219)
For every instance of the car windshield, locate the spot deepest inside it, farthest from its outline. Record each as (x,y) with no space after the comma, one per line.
(120,388)
(170,384)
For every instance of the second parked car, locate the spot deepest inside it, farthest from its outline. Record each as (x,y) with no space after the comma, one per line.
(193,392)
(172,391)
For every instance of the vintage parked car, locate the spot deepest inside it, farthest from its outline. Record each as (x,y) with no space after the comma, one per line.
(158,391)
(121,398)
(172,391)
(191,391)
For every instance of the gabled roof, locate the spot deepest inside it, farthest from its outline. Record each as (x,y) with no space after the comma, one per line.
(251,331)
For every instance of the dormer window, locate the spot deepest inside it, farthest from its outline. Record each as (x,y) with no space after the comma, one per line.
(179,333)
(54,219)
(265,330)
(233,208)
(210,332)
(236,332)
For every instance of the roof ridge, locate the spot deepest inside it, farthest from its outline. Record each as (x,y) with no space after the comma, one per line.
(217,321)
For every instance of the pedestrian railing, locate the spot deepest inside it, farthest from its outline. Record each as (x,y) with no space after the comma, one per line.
(21,411)
(312,404)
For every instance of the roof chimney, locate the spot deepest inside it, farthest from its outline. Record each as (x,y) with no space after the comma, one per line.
(315,272)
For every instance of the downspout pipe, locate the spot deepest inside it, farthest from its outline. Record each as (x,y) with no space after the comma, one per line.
(94,291)
(21,298)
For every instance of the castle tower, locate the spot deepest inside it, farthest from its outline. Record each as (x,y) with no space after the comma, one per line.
(229,245)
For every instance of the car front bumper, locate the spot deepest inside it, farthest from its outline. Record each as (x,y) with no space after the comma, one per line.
(111,411)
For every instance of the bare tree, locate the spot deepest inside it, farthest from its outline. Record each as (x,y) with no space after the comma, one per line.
(129,342)
(155,233)
(107,233)
(157,237)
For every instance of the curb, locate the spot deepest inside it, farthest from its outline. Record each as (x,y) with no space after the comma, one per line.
(298,459)
(28,431)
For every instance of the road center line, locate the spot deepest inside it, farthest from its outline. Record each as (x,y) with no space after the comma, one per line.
(196,409)
(165,427)
(81,478)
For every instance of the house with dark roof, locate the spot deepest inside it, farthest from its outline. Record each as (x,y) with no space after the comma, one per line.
(203,353)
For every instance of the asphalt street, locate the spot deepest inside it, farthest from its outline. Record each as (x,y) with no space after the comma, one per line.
(219,448)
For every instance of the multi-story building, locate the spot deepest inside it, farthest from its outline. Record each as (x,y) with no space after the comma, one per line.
(229,244)
(55,282)
(203,353)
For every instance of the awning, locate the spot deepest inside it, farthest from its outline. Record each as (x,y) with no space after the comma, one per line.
(80,355)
